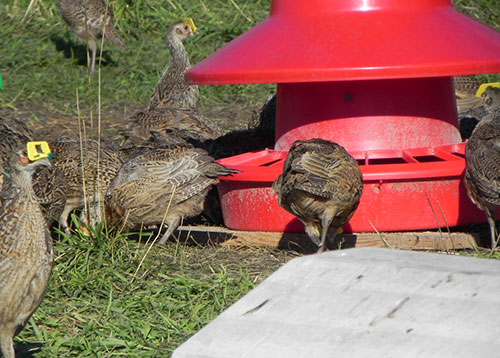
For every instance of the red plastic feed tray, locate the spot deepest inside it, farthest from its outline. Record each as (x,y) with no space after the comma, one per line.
(403,190)
(373,76)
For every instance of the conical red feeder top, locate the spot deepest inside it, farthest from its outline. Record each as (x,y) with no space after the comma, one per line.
(336,40)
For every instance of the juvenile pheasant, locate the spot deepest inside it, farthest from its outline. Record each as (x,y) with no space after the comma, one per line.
(162,120)
(87,182)
(172,89)
(482,154)
(162,183)
(26,253)
(321,184)
(90,20)
(48,182)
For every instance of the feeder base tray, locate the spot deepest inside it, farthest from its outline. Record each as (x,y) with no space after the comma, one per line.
(404,190)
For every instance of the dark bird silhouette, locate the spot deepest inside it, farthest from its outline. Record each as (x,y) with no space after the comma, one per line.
(259,135)
(90,20)
(162,183)
(482,154)
(172,89)
(321,184)
(26,253)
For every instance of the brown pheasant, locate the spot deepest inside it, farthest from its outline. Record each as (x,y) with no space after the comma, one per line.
(26,253)
(321,184)
(172,89)
(87,183)
(482,154)
(162,184)
(90,20)
(48,182)
(162,120)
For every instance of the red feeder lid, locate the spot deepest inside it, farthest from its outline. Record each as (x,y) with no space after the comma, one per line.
(336,40)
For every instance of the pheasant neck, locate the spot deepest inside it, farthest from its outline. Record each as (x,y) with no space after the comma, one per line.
(180,60)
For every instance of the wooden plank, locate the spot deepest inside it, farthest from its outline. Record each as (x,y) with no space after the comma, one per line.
(398,240)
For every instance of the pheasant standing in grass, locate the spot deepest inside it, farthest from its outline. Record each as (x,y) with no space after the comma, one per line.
(321,184)
(482,154)
(48,182)
(172,89)
(26,253)
(162,183)
(86,183)
(90,20)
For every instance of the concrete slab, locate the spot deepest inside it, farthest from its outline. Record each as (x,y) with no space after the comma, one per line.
(364,302)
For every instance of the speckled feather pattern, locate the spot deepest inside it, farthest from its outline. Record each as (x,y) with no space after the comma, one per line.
(482,175)
(161,120)
(90,19)
(48,183)
(172,89)
(319,178)
(172,180)
(26,256)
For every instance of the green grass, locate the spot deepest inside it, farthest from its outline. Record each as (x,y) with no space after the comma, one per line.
(39,56)
(104,300)
(97,305)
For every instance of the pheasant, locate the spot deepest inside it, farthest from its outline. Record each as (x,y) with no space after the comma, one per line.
(189,121)
(482,155)
(48,182)
(86,183)
(321,184)
(163,183)
(172,89)
(90,20)
(26,253)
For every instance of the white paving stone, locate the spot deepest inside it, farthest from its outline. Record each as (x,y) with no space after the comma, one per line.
(363,302)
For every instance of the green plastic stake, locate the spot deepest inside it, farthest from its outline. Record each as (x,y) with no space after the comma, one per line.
(1,83)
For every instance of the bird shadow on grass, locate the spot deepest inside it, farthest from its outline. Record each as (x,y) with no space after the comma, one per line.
(28,350)
(79,52)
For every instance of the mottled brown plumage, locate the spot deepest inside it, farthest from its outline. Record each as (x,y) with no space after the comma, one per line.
(172,89)
(162,184)
(190,122)
(465,92)
(321,184)
(26,253)
(482,153)
(48,183)
(87,177)
(90,20)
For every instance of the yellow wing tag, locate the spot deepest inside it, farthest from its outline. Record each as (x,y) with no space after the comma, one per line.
(38,150)
(190,22)
(484,86)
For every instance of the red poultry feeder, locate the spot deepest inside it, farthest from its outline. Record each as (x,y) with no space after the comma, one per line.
(373,76)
